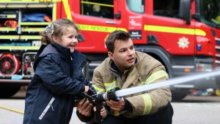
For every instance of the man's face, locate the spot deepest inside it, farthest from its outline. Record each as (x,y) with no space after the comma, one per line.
(124,54)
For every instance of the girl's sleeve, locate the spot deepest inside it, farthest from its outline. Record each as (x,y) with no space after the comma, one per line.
(55,80)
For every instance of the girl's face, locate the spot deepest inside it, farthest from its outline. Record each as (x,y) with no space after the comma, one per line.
(68,39)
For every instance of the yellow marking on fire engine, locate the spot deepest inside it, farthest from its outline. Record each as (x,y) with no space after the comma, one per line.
(19,1)
(54,11)
(31,37)
(175,30)
(28,1)
(12,109)
(8,15)
(32,29)
(94,3)
(67,9)
(7,29)
(24,37)
(97,28)
(35,23)
(9,37)
(19,47)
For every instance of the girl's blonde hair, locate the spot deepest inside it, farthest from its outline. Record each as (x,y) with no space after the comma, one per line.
(56,28)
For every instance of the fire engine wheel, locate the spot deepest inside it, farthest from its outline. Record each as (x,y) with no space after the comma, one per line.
(8,90)
(9,64)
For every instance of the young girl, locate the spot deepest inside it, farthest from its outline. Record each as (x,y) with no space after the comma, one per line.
(58,78)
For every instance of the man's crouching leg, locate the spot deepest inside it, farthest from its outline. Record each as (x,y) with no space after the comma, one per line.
(164,116)
(112,120)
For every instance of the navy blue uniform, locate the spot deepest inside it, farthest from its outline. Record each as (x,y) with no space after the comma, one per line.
(57,81)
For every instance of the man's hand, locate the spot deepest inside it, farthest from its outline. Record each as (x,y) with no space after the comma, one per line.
(103,112)
(84,107)
(116,105)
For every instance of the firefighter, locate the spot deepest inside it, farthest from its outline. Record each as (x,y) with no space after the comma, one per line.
(97,11)
(58,79)
(125,68)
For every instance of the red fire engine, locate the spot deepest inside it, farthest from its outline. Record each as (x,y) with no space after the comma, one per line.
(184,35)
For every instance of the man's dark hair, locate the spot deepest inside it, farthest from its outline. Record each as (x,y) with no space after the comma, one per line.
(116,35)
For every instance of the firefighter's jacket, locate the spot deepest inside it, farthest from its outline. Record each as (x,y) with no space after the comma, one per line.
(57,80)
(147,70)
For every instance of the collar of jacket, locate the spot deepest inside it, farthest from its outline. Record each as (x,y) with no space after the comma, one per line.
(78,59)
(129,77)
(54,48)
(63,51)
(116,70)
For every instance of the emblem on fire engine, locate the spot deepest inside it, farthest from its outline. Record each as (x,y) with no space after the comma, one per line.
(183,42)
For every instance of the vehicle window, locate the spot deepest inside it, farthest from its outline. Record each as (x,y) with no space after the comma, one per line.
(98,8)
(168,8)
(209,10)
(136,5)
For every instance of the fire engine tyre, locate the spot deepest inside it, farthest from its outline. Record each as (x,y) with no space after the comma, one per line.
(8,90)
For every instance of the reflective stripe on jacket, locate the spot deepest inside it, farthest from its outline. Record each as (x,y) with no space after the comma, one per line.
(146,71)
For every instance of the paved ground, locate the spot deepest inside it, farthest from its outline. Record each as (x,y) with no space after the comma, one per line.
(196,113)
(192,110)
(11,112)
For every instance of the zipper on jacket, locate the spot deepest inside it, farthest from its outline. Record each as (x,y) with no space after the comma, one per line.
(46,108)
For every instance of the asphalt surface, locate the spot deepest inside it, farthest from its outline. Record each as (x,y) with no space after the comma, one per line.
(191,110)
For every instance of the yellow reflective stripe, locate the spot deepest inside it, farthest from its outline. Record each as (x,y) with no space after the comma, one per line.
(98,28)
(67,9)
(116,113)
(98,90)
(109,86)
(155,76)
(147,104)
(94,3)
(175,30)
